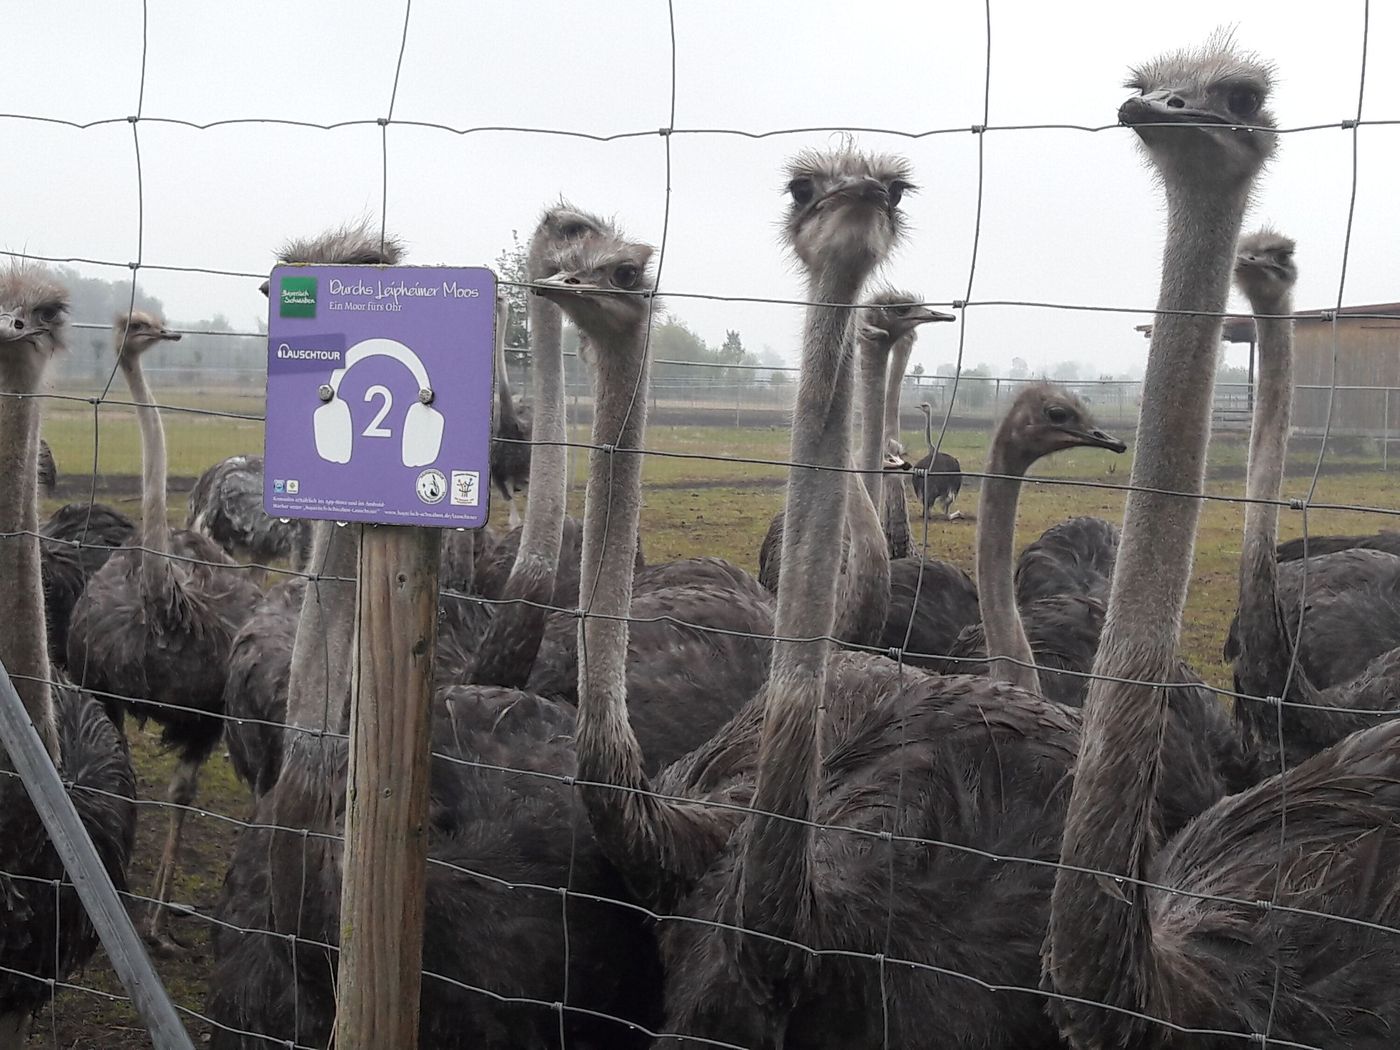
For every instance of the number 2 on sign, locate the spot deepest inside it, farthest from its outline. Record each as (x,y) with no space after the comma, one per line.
(374,430)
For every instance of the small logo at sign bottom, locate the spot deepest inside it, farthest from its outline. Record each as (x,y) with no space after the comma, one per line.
(466,488)
(432,486)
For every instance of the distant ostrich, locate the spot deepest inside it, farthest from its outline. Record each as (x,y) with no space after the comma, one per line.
(226,504)
(893,315)
(1358,617)
(510,448)
(44,932)
(1123,955)
(48,469)
(826,750)
(937,475)
(152,632)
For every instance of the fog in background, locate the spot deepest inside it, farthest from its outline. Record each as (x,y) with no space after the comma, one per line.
(1068,217)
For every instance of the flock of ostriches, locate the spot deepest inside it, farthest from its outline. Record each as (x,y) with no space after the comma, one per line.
(767,841)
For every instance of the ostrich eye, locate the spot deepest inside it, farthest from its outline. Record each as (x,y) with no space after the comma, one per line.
(1243,101)
(1057,414)
(48,314)
(572,230)
(896,191)
(801,189)
(625,276)
(900,311)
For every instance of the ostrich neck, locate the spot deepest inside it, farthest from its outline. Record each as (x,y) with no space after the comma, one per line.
(24,641)
(776,871)
(864,594)
(318,688)
(156,572)
(507,653)
(874,361)
(1101,944)
(505,403)
(1008,649)
(896,505)
(1265,649)
(631,824)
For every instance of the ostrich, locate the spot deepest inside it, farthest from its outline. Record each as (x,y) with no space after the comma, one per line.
(938,475)
(510,447)
(993,759)
(226,504)
(44,932)
(75,541)
(1359,619)
(892,315)
(1042,420)
(489,830)
(1074,557)
(700,642)
(1123,955)
(153,629)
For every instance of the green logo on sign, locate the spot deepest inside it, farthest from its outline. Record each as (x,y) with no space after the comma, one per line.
(298,297)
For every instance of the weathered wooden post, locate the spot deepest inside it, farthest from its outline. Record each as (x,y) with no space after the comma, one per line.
(346,345)
(386,806)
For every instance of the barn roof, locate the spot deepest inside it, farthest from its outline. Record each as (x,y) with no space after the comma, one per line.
(1241,329)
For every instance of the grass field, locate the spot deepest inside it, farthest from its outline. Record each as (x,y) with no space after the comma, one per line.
(709,505)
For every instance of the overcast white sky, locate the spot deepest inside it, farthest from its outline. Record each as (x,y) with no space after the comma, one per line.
(1069,217)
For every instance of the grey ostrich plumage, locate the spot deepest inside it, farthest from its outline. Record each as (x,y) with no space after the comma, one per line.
(226,504)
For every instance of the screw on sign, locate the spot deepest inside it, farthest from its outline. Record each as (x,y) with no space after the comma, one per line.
(379,390)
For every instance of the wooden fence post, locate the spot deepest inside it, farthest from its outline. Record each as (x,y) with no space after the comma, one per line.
(386,810)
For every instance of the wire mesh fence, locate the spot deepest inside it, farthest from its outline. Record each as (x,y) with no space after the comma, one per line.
(522,867)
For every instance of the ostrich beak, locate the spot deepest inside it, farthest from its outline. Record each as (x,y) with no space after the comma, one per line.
(893,462)
(11,330)
(1158,108)
(1093,437)
(923,315)
(562,284)
(169,336)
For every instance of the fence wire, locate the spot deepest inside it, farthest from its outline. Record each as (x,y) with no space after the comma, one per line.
(87,983)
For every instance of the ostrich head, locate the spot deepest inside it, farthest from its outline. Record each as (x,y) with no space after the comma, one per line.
(135,333)
(1045,419)
(892,314)
(354,244)
(1264,266)
(926,409)
(33,323)
(559,227)
(1189,107)
(845,208)
(603,283)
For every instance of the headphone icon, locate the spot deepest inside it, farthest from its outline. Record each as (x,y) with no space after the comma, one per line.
(422,425)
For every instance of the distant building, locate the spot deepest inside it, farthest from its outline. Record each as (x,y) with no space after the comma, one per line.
(1367,344)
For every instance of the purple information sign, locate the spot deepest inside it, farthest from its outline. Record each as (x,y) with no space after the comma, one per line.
(379,388)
